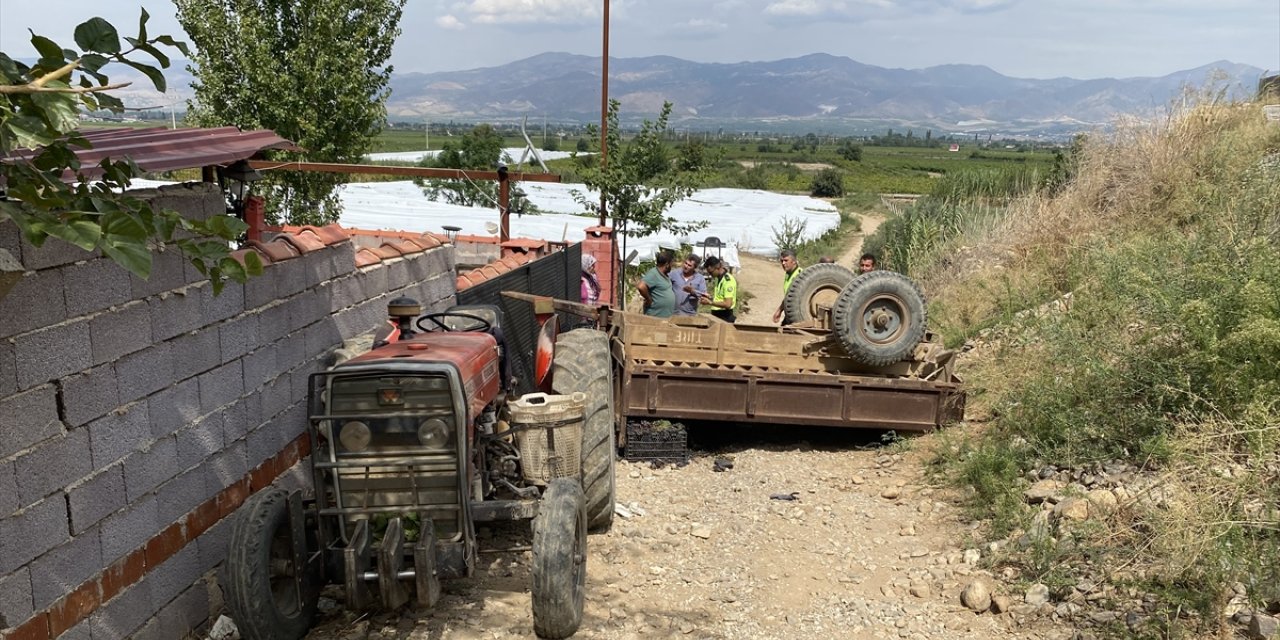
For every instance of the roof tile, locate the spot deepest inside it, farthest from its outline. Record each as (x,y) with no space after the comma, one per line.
(489,271)
(239,256)
(277,250)
(462,283)
(304,241)
(366,257)
(386,252)
(330,233)
(428,241)
(406,247)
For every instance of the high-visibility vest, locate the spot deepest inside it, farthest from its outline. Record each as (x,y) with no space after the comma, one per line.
(787,278)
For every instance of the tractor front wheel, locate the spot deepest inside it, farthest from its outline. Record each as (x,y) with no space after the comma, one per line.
(559,560)
(260,587)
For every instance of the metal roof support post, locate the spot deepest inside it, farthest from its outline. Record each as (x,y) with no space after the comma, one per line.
(504,206)
(604,111)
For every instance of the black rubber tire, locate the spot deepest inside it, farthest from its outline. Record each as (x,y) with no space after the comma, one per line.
(903,304)
(261,611)
(820,282)
(583,363)
(559,560)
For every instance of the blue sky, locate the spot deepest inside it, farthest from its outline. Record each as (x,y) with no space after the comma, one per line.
(1024,38)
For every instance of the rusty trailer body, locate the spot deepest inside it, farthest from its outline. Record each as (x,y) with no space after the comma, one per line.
(701,368)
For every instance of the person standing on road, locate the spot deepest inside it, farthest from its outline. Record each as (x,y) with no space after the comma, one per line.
(791,269)
(655,288)
(724,296)
(866,263)
(689,286)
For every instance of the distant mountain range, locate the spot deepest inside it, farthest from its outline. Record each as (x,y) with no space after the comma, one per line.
(813,92)
(817,88)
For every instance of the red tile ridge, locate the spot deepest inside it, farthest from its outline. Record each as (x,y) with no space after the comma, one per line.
(428,241)
(524,243)
(387,251)
(277,250)
(489,271)
(332,233)
(462,283)
(406,247)
(238,255)
(366,257)
(303,241)
(510,262)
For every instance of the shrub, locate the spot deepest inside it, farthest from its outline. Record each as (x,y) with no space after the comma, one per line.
(828,183)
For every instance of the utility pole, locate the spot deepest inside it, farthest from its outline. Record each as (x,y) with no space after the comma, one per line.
(604,111)
(428,136)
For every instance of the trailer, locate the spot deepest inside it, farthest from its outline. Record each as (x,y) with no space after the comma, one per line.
(701,368)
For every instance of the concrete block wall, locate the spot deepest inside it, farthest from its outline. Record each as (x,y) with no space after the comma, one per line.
(137,415)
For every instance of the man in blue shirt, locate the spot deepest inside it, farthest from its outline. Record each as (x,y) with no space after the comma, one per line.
(655,288)
(689,286)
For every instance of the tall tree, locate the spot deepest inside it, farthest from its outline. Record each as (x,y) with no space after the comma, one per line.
(480,149)
(314,71)
(637,181)
(40,104)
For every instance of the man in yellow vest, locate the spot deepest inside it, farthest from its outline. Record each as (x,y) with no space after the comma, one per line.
(724,294)
(791,269)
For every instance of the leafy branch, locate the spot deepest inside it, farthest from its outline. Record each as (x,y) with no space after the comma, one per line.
(49,195)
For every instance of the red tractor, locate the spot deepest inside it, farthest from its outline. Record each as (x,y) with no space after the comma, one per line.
(413,443)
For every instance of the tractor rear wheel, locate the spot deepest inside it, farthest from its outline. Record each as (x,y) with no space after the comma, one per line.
(818,286)
(559,560)
(880,318)
(260,586)
(583,363)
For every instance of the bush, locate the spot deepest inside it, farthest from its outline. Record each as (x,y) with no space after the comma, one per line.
(828,183)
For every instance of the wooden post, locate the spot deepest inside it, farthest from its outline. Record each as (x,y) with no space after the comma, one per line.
(504,206)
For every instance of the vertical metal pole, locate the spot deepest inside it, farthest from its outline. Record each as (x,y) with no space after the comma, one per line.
(604,110)
(504,205)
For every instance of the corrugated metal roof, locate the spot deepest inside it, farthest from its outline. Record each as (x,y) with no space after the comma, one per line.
(161,149)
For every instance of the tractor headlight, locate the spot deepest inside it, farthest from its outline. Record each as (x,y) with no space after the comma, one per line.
(433,433)
(355,436)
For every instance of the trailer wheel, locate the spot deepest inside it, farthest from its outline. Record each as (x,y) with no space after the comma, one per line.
(260,588)
(559,560)
(880,318)
(817,286)
(583,363)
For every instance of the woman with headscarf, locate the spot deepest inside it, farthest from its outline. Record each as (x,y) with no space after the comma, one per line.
(590,285)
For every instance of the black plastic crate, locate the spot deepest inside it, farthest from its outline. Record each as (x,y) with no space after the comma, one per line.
(656,441)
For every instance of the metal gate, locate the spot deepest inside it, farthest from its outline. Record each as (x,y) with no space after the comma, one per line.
(558,275)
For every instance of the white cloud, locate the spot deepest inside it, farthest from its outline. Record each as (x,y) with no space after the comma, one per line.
(533,11)
(450,22)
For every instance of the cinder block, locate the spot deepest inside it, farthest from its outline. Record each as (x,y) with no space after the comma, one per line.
(221,387)
(260,366)
(302,380)
(95,285)
(176,312)
(292,422)
(124,615)
(359,319)
(397,273)
(174,408)
(200,441)
(130,529)
(273,322)
(373,282)
(189,610)
(8,369)
(166,274)
(147,469)
(96,497)
(228,466)
(8,490)
(28,418)
(307,307)
(145,372)
(195,353)
(277,396)
(118,331)
(182,494)
(290,277)
(64,568)
(15,598)
(173,576)
(89,395)
(262,290)
(238,336)
(265,441)
(237,421)
(297,477)
(81,631)
(52,465)
(35,301)
(213,544)
(119,433)
(28,533)
(291,350)
(53,253)
(321,337)
(49,354)
(229,303)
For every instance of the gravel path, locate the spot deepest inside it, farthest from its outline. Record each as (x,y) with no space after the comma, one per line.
(865,551)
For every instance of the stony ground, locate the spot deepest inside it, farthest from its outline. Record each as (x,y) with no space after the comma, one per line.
(866,549)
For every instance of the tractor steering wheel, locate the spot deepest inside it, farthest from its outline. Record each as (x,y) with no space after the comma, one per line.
(480,323)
